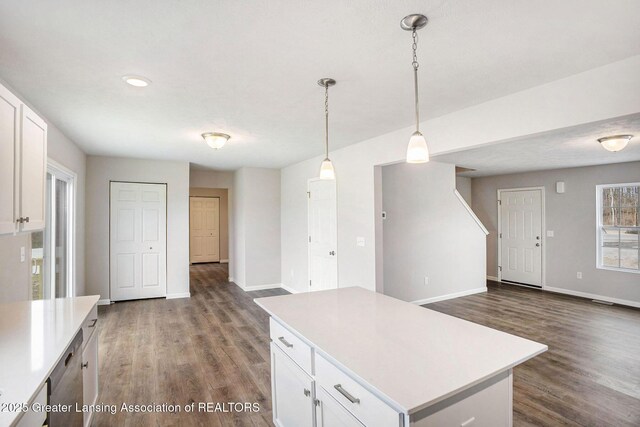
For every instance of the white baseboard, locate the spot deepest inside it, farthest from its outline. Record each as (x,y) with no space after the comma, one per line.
(179,295)
(593,296)
(106,301)
(494,278)
(288,289)
(224,261)
(449,296)
(261,287)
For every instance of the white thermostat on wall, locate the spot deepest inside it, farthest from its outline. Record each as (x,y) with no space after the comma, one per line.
(560,187)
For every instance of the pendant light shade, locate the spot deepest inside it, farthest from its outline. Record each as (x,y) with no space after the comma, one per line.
(326,168)
(417,151)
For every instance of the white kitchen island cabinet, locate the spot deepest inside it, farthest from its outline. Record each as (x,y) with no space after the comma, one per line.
(352,357)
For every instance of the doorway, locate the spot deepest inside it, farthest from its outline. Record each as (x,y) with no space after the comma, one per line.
(520,236)
(204,229)
(323,235)
(138,241)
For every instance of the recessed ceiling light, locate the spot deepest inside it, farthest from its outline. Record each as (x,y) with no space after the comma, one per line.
(137,81)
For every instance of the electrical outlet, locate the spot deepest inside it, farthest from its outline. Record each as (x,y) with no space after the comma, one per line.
(23,254)
(579,275)
(426,280)
(549,233)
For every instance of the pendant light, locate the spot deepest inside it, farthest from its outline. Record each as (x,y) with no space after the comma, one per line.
(326,168)
(417,151)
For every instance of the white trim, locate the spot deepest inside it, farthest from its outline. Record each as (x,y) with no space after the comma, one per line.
(105,301)
(593,296)
(179,295)
(599,264)
(543,232)
(449,296)
(494,278)
(289,289)
(468,208)
(258,287)
(224,261)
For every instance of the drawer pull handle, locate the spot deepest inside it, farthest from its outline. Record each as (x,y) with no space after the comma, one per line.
(93,324)
(285,342)
(468,422)
(346,394)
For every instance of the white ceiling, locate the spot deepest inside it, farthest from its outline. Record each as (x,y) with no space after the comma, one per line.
(564,148)
(249,68)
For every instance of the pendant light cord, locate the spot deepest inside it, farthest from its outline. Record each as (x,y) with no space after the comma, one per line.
(326,121)
(415,65)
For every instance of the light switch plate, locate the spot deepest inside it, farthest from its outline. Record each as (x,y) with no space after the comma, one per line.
(360,241)
(549,233)
(23,254)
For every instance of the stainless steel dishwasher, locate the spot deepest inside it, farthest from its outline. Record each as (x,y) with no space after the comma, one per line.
(65,386)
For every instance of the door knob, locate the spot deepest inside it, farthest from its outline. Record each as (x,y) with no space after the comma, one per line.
(332,253)
(538,244)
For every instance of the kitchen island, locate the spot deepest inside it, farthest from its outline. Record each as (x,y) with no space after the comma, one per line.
(33,338)
(352,357)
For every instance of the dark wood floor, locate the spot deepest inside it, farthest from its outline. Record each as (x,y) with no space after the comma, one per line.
(213,347)
(590,376)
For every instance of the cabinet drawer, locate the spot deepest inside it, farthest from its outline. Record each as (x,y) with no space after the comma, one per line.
(291,345)
(487,404)
(90,325)
(32,418)
(363,404)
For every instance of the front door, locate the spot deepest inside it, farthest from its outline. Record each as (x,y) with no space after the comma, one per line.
(138,240)
(323,264)
(520,236)
(204,229)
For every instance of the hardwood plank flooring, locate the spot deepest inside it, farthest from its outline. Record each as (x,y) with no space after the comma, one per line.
(590,376)
(214,347)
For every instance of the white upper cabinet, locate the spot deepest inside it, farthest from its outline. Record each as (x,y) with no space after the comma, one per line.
(9,131)
(23,166)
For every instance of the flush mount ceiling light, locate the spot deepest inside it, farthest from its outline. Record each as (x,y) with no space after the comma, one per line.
(215,140)
(137,81)
(615,143)
(417,151)
(326,168)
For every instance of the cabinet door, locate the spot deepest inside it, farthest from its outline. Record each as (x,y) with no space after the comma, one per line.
(90,375)
(9,121)
(33,169)
(291,392)
(329,413)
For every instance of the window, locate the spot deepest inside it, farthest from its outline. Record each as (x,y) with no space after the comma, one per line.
(618,231)
(52,249)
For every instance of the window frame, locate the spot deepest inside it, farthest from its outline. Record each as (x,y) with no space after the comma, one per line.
(599,226)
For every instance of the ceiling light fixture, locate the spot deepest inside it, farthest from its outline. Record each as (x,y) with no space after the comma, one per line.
(137,81)
(417,151)
(326,168)
(615,143)
(216,140)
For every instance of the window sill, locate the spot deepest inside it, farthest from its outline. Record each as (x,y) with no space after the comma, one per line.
(619,269)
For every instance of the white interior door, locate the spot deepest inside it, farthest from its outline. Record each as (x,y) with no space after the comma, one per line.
(204,229)
(521,236)
(138,240)
(323,236)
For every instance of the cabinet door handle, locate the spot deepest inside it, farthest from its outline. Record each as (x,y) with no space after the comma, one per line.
(285,342)
(346,394)
(307,392)
(26,219)
(20,220)
(93,323)
(84,365)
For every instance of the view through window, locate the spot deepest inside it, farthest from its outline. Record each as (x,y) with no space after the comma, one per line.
(619,226)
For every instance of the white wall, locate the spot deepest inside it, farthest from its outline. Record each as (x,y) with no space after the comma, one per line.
(429,233)
(597,94)
(101,170)
(15,276)
(572,217)
(463,185)
(257,228)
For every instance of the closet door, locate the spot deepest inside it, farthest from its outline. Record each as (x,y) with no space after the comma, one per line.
(138,233)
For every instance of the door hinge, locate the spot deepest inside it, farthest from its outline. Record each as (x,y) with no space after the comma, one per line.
(309,194)
(499,202)
(501,235)
(309,239)
(309,282)
(500,267)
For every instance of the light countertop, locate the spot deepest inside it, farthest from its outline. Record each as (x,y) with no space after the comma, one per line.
(411,355)
(33,336)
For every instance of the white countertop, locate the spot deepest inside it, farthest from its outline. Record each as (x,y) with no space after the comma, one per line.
(33,336)
(411,355)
